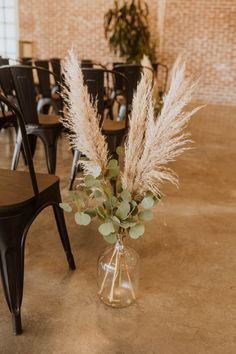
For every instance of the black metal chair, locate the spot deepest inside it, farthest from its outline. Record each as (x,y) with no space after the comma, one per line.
(57,71)
(27,61)
(7,119)
(97,81)
(47,98)
(23,195)
(46,127)
(133,74)
(4,61)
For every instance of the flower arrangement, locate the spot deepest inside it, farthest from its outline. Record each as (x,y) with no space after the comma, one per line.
(127,188)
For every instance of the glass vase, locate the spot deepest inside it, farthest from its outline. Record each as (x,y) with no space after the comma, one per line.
(118,275)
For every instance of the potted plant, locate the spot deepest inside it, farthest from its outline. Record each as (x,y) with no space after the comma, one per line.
(121,192)
(126,28)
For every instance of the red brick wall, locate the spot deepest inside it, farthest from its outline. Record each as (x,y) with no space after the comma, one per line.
(203,31)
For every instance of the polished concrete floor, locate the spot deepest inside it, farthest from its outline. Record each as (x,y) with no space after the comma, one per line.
(187,299)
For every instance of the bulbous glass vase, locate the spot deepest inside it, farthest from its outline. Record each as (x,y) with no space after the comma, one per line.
(118,275)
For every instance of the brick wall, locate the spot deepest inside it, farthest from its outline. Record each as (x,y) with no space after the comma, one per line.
(203,31)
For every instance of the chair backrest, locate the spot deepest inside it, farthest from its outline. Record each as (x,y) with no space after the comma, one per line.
(96,79)
(86,63)
(43,77)
(4,61)
(16,112)
(56,68)
(133,74)
(22,76)
(6,82)
(27,61)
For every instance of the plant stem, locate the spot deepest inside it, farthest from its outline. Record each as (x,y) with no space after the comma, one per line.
(111,296)
(105,276)
(130,282)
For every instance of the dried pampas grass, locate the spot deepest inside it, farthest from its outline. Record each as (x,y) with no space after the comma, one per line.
(81,118)
(154,142)
(147,65)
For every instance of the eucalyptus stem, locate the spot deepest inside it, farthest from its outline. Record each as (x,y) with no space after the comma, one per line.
(105,276)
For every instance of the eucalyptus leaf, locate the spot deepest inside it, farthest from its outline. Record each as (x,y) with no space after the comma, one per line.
(82,218)
(127,224)
(120,150)
(97,194)
(147,202)
(101,212)
(106,228)
(136,231)
(112,163)
(97,184)
(116,220)
(84,158)
(66,207)
(111,238)
(123,210)
(107,205)
(113,172)
(96,171)
(145,215)
(134,203)
(125,195)
(107,191)
(89,181)
(79,202)
(119,187)
(91,212)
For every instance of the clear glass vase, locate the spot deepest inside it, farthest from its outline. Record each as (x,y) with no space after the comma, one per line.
(118,275)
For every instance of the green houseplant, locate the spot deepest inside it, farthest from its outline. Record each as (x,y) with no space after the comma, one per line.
(126,28)
(121,192)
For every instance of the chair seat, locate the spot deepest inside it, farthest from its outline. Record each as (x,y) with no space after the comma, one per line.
(16,187)
(48,119)
(112,126)
(7,114)
(56,96)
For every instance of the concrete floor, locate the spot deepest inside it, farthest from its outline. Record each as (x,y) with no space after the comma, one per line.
(187,299)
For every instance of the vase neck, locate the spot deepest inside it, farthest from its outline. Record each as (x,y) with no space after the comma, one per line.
(119,243)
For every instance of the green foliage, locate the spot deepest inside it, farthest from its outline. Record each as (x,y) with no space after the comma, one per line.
(106,228)
(112,238)
(116,208)
(136,231)
(126,28)
(66,207)
(145,215)
(147,202)
(123,210)
(82,218)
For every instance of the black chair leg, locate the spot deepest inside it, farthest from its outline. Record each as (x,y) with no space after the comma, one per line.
(12,267)
(17,149)
(61,225)
(74,168)
(51,154)
(32,141)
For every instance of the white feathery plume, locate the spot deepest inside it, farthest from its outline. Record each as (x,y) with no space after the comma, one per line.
(145,62)
(136,138)
(81,118)
(147,65)
(163,138)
